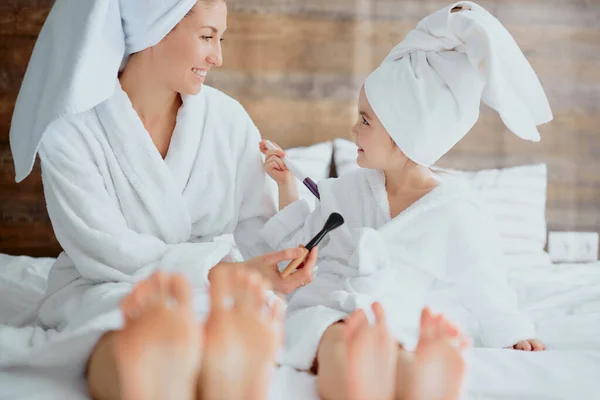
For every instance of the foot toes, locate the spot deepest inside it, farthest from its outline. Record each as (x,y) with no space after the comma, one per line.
(258,289)
(277,313)
(355,321)
(249,295)
(426,317)
(137,300)
(438,329)
(446,329)
(127,303)
(277,316)
(146,293)
(159,283)
(380,318)
(240,290)
(429,325)
(180,290)
(220,290)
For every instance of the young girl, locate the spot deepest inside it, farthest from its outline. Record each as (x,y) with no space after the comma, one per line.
(406,230)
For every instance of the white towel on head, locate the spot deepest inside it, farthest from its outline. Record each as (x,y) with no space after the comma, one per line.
(427,92)
(76,60)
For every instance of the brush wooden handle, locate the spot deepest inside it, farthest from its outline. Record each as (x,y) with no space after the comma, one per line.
(294,264)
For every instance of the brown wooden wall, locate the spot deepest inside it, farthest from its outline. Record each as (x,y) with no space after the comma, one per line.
(297,66)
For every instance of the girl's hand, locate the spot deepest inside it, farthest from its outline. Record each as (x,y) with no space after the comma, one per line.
(274,165)
(529,345)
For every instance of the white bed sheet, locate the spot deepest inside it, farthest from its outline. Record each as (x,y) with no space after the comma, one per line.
(563,300)
(23,281)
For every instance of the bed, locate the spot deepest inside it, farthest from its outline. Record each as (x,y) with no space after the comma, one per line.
(562,299)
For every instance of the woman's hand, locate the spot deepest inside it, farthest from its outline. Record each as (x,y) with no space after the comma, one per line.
(267,265)
(274,165)
(529,345)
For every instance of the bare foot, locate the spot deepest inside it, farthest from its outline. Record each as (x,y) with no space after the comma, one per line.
(242,338)
(157,352)
(438,367)
(371,356)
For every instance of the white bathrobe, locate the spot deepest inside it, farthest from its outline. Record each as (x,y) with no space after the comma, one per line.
(121,212)
(444,239)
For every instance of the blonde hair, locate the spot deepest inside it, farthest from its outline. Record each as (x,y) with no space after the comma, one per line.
(208,3)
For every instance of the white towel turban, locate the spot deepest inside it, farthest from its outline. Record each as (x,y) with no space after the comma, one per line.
(427,92)
(76,60)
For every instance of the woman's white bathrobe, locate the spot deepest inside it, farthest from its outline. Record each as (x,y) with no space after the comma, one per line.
(121,212)
(444,239)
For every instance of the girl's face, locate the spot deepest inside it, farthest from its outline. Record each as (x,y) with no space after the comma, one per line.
(376,149)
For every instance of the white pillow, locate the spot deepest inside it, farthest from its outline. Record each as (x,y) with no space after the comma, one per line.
(516,197)
(315,162)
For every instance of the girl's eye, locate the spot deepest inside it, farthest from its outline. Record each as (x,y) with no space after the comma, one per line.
(364,121)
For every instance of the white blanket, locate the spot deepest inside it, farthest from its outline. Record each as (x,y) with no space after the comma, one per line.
(121,212)
(563,300)
(443,241)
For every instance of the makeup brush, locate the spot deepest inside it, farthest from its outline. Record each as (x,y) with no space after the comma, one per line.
(334,221)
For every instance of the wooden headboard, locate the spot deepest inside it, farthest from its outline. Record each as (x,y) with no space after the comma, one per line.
(297,67)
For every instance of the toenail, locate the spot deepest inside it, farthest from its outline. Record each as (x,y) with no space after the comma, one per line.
(171,303)
(228,303)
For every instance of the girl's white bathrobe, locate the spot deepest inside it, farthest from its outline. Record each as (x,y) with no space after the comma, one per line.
(121,212)
(444,239)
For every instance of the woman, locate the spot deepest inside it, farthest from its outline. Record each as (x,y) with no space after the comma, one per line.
(143,165)
(406,228)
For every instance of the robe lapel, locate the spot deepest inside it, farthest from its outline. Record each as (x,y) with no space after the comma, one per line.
(376,180)
(436,198)
(144,167)
(183,150)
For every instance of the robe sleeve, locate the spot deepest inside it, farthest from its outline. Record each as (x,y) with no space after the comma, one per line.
(255,201)
(93,231)
(476,262)
(293,226)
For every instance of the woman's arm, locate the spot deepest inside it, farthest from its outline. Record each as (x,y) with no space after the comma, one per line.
(253,197)
(255,205)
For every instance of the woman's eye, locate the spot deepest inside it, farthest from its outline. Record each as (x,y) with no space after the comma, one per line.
(364,121)
(207,38)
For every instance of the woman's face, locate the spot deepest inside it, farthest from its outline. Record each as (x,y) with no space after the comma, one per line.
(376,149)
(190,50)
